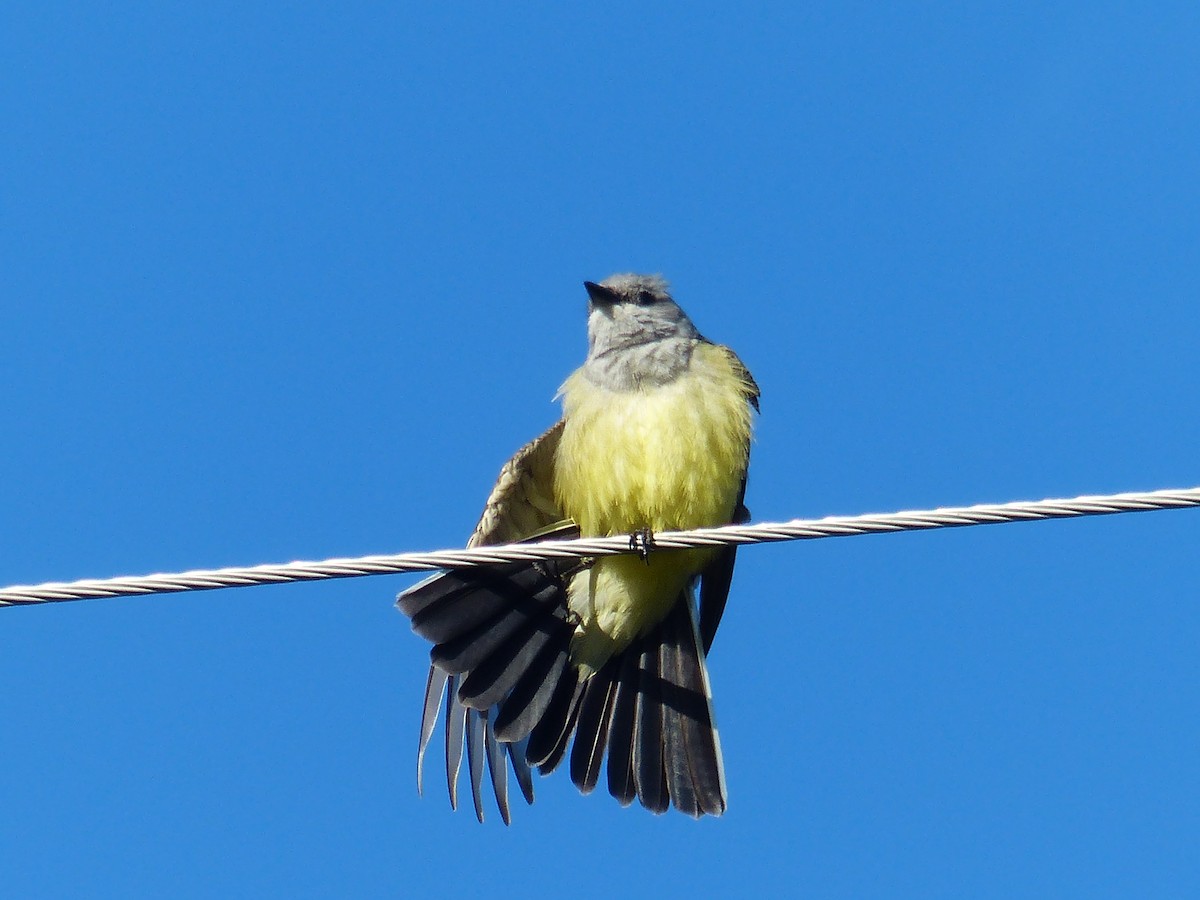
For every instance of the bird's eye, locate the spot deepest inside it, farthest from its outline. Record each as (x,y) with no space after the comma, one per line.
(645,298)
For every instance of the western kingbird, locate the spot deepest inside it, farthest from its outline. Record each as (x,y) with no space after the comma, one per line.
(655,436)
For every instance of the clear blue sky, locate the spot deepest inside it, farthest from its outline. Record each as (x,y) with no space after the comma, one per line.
(293,280)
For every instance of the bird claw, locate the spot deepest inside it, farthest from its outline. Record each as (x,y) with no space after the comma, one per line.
(642,542)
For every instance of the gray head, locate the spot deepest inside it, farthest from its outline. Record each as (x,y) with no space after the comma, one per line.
(636,333)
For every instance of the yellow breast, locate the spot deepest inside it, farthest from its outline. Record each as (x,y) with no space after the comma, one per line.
(663,457)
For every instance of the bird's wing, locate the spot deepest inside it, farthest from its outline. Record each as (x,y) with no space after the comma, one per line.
(749,385)
(522,502)
(502,637)
(715,580)
(520,506)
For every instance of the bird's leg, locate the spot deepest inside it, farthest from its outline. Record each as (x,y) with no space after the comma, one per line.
(642,542)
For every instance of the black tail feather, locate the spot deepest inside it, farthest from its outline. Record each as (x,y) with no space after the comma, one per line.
(620,731)
(694,703)
(648,733)
(677,762)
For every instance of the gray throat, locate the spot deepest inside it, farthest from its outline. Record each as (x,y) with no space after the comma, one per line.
(650,364)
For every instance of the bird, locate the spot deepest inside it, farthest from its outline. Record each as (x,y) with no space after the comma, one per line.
(602,659)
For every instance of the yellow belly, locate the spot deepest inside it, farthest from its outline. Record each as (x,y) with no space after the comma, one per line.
(664,458)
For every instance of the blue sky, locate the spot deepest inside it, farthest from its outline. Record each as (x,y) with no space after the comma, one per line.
(293,280)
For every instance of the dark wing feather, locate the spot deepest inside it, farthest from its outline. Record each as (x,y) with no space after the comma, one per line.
(497,771)
(475,752)
(520,767)
(532,692)
(456,716)
(556,755)
(436,605)
(553,728)
(716,579)
(472,616)
(434,689)
(591,730)
(513,663)
(522,502)
(501,657)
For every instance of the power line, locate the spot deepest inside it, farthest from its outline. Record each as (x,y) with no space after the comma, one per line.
(763,532)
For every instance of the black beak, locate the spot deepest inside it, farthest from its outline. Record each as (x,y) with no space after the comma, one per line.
(600,295)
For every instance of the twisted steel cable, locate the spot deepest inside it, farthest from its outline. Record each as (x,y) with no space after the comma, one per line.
(763,532)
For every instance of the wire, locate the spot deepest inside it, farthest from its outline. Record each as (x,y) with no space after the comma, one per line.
(796,529)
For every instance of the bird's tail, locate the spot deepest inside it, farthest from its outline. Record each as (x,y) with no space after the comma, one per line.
(501,659)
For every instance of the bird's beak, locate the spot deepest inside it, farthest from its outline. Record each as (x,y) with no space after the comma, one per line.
(600,295)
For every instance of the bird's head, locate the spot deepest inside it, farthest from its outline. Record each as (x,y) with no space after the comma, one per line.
(626,311)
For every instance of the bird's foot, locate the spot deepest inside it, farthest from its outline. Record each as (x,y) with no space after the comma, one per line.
(642,542)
